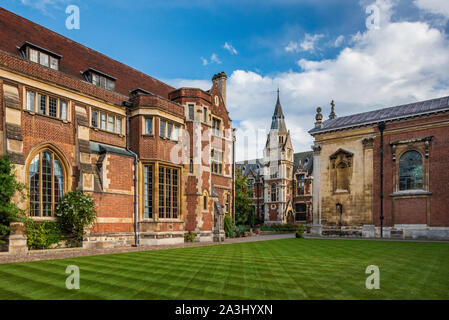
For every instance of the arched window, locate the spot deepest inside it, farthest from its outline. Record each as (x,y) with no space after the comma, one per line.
(410,171)
(273,193)
(46,182)
(342,176)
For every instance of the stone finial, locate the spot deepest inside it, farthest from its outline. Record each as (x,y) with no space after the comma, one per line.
(332,114)
(318,117)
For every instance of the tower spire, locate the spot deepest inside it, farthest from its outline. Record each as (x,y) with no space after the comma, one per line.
(278,121)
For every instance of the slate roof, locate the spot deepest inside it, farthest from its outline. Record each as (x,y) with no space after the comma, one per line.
(278,121)
(386,114)
(304,159)
(75,58)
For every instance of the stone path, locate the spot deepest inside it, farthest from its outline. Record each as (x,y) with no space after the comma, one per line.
(80,252)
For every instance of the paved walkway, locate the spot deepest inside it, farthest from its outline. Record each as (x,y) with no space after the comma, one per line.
(80,252)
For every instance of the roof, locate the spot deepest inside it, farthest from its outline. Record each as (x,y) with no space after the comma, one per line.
(386,114)
(278,121)
(300,159)
(99,148)
(76,58)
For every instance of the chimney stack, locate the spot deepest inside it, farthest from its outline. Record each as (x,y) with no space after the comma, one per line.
(220,80)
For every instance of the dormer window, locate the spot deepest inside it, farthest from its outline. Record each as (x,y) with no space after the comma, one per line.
(40,55)
(100,79)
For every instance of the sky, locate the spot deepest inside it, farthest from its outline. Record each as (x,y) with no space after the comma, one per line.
(363,54)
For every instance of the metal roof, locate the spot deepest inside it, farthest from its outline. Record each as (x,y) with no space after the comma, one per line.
(386,114)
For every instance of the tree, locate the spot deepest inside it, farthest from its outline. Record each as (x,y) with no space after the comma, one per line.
(9,186)
(243,203)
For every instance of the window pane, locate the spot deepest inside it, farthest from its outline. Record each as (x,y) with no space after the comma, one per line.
(169,130)
(43,59)
(175,133)
(162,128)
(168,198)
(30,100)
(33,55)
(42,100)
(103,121)
(118,126)
(102,82)
(111,123)
(410,171)
(63,109)
(111,84)
(191,112)
(59,182)
(175,193)
(161,194)
(94,118)
(149,125)
(95,79)
(34,180)
(205,114)
(46,184)
(52,106)
(53,63)
(148,190)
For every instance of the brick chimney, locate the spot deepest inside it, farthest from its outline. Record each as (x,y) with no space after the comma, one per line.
(220,80)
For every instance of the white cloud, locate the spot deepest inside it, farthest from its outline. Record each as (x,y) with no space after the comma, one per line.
(230,48)
(44,5)
(308,44)
(398,63)
(338,42)
(213,59)
(438,7)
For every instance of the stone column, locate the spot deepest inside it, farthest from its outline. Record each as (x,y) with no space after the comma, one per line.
(17,239)
(316,196)
(86,181)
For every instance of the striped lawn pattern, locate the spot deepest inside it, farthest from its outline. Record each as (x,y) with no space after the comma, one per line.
(277,269)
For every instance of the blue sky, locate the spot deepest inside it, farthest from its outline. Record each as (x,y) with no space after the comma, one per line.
(315,51)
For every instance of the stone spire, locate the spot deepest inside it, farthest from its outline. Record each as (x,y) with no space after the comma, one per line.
(332,114)
(278,121)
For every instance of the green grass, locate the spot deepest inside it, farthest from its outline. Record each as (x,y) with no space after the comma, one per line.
(278,269)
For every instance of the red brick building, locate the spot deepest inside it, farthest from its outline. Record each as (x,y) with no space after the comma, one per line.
(157,160)
(280,184)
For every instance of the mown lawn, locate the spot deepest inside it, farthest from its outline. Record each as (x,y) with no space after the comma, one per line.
(277,269)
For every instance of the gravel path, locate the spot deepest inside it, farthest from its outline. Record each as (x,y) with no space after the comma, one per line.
(80,252)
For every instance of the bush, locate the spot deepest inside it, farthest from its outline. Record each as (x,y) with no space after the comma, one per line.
(299,234)
(238,230)
(228,226)
(189,237)
(41,235)
(9,212)
(76,213)
(282,227)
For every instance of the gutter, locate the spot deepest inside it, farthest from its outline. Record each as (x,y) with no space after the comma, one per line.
(127,104)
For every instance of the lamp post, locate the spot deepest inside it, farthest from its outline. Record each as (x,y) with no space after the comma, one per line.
(381,127)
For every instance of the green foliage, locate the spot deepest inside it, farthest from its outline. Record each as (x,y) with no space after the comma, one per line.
(9,212)
(282,227)
(228,226)
(189,237)
(76,213)
(299,234)
(41,235)
(238,230)
(243,203)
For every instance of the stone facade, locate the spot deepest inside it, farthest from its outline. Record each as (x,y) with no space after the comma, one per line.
(347,171)
(157,160)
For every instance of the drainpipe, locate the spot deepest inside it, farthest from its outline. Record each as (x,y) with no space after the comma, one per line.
(381,127)
(233,175)
(128,104)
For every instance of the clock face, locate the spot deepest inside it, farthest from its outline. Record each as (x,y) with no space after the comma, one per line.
(217,101)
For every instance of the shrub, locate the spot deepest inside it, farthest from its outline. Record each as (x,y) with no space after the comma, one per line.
(189,237)
(238,230)
(299,234)
(9,212)
(41,235)
(228,226)
(282,227)
(76,213)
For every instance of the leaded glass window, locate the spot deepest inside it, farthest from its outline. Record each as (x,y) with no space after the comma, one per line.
(410,171)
